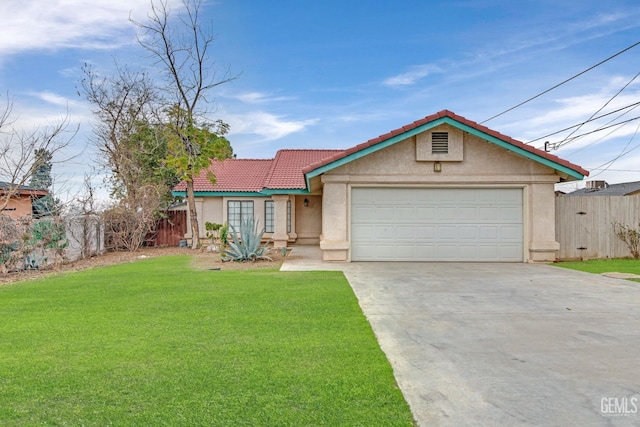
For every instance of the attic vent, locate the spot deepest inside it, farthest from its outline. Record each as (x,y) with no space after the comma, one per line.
(440,143)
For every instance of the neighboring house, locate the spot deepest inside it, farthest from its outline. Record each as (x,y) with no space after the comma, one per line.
(601,188)
(442,188)
(20,203)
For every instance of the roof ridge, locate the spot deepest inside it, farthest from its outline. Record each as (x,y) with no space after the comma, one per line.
(460,119)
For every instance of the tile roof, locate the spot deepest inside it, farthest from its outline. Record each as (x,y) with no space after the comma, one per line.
(286,172)
(254,175)
(460,119)
(241,175)
(288,169)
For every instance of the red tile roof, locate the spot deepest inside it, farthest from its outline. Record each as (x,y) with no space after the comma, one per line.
(241,175)
(287,171)
(254,175)
(460,119)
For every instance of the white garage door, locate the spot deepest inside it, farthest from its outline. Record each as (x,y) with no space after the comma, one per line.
(429,224)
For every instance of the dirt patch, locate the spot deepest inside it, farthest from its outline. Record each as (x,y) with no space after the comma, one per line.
(202,260)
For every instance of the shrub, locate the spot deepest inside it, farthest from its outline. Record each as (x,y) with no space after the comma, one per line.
(630,236)
(246,245)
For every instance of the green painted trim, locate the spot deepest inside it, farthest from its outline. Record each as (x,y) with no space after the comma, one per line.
(220,194)
(517,150)
(425,127)
(372,149)
(270,191)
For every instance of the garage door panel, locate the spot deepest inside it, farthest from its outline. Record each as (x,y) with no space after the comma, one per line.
(426,213)
(511,213)
(464,224)
(426,232)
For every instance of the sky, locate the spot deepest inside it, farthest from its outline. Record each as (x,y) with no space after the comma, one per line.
(333,74)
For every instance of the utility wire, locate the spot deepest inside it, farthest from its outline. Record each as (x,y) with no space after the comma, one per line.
(609,133)
(563,82)
(603,167)
(601,129)
(561,143)
(592,119)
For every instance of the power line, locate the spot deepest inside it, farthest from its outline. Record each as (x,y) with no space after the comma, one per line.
(601,129)
(599,109)
(563,82)
(622,153)
(585,122)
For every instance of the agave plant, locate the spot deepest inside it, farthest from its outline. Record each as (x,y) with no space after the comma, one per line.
(246,245)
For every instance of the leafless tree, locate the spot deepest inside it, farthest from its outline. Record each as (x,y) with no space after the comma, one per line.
(83,220)
(18,149)
(123,103)
(127,225)
(181,47)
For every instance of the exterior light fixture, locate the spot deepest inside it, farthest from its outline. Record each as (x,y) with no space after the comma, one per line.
(306,203)
(437,167)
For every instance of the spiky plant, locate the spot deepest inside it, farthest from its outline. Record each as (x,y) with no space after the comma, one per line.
(246,245)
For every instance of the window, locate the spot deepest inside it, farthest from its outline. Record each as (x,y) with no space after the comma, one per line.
(238,211)
(440,143)
(268,216)
(288,216)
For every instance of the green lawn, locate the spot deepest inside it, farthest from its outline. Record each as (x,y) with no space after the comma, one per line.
(157,343)
(597,266)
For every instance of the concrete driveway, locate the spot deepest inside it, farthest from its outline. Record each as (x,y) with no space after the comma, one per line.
(505,344)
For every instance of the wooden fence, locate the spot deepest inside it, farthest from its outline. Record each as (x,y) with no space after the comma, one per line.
(584,225)
(171,229)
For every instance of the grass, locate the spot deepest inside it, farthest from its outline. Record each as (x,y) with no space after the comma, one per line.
(597,266)
(157,343)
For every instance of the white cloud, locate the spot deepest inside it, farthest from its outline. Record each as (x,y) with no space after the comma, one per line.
(259,97)
(415,74)
(266,125)
(30,24)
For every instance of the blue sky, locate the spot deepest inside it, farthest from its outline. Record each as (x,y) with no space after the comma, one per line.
(333,74)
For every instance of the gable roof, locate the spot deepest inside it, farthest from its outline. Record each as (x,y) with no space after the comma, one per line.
(622,189)
(291,170)
(445,117)
(258,176)
(243,175)
(286,172)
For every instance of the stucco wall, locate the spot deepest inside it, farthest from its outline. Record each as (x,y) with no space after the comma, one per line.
(484,164)
(18,206)
(308,219)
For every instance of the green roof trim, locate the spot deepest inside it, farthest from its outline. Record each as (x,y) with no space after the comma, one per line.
(221,194)
(271,191)
(373,148)
(427,126)
(517,150)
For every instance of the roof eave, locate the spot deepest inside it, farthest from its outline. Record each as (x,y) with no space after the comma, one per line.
(561,169)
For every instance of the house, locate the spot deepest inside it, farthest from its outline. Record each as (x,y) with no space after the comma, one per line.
(601,188)
(20,202)
(442,188)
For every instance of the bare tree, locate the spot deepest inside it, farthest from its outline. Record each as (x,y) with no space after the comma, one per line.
(181,48)
(83,221)
(18,148)
(124,104)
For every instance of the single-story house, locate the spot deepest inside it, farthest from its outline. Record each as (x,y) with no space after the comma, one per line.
(602,188)
(442,188)
(20,202)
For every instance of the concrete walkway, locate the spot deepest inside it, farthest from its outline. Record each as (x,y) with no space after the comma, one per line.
(502,344)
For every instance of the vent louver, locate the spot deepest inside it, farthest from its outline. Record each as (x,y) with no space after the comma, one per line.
(440,143)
